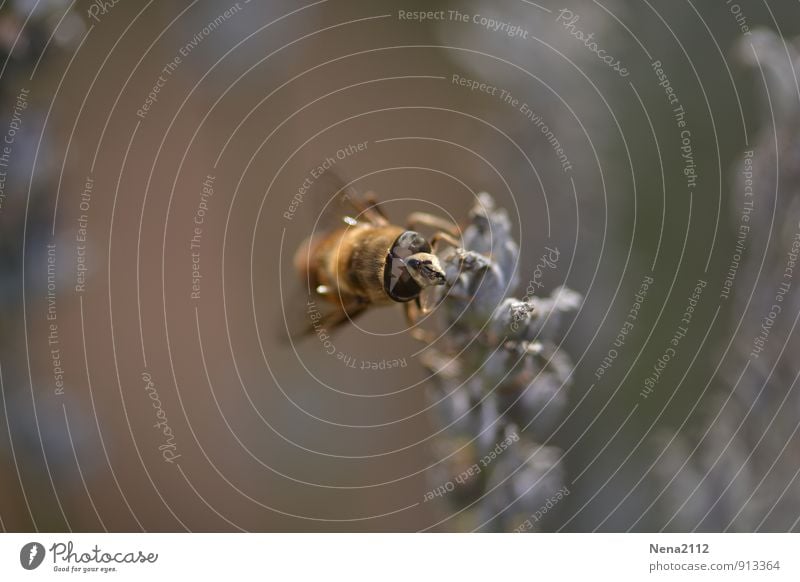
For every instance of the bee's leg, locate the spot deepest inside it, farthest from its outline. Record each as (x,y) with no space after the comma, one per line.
(416,219)
(442,236)
(413,310)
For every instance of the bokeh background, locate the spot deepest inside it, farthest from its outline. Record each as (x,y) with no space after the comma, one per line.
(267,435)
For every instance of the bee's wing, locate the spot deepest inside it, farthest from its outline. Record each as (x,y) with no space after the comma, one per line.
(312,315)
(334,202)
(324,319)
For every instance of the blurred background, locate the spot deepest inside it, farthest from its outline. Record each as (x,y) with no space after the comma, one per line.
(151,200)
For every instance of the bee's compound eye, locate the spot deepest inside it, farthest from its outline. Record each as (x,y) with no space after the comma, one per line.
(410,243)
(402,268)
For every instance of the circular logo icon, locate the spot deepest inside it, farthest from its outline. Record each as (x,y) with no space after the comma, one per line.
(31,555)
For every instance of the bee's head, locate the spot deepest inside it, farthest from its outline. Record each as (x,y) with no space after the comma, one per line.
(425,269)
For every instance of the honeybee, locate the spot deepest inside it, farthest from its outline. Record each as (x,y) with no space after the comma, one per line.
(367,261)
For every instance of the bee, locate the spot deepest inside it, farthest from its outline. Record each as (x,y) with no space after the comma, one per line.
(367,261)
